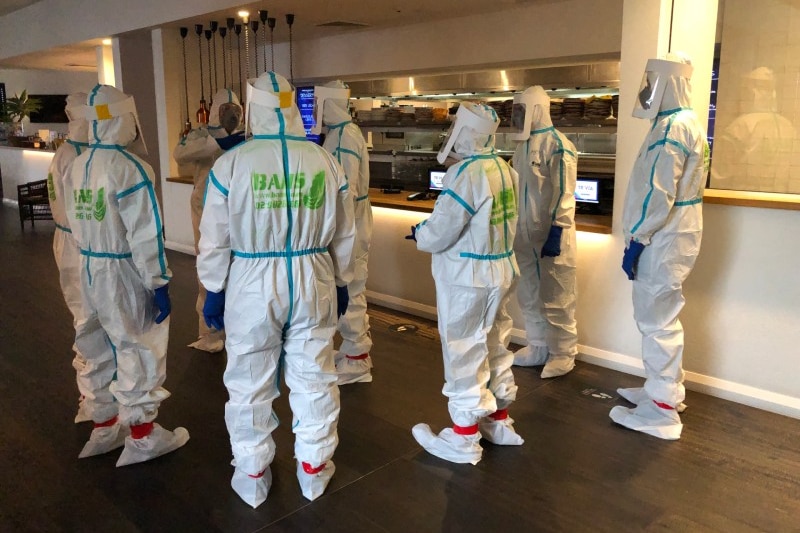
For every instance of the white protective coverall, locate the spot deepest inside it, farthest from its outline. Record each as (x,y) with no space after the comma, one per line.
(199,149)
(114,216)
(277,235)
(471,235)
(346,142)
(663,212)
(547,164)
(67,256)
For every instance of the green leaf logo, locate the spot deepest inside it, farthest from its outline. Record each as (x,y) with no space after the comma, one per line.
(51,190)
(316,195)
(100,205)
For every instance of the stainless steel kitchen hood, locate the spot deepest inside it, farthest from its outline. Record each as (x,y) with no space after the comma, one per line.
(585,76)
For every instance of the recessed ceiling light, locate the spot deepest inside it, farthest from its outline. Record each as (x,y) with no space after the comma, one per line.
(106,42)
(243,13)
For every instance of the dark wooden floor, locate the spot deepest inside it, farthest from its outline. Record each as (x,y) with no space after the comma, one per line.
(735,469)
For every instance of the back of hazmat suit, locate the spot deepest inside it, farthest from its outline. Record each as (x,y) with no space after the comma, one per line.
(346,142)
(199,149)
(115,219)
(68,259)
(276,236)
(663,225)
(545,245)
(471,235)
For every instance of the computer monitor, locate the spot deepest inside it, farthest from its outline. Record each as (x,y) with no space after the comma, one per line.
(587,191)
(436,179)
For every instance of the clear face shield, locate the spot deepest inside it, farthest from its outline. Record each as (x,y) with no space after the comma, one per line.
(654,83)
(281,100)
(116,110)
(321,94)
(230,117)
(526,111)
(465,119)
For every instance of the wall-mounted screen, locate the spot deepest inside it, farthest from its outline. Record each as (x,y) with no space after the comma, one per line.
(436,179)
(52,109)
(587,191)
(305,101)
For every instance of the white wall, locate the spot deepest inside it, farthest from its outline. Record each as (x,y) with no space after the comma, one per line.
(45,82)
(21,166)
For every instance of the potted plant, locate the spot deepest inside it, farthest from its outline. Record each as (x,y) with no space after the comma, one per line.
(20,107)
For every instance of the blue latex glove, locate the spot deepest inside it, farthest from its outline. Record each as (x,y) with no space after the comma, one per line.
(413,236)
(214,310)
(342,300)
(163,303)
(226,143)
(552,246)
(630,260)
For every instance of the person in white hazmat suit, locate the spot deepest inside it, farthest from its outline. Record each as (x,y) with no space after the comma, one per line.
(471,236)
(276,240)
(199,149)
(346,142)
(68,260)
(545,246)
(116,222)
(663,225)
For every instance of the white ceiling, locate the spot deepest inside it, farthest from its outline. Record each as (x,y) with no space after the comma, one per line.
(9,6)
(309,16)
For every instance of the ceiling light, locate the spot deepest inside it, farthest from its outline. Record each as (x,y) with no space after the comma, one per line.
(106,42)
(243,13)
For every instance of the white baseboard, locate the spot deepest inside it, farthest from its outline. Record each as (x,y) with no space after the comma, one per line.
(178,247)
(720,388)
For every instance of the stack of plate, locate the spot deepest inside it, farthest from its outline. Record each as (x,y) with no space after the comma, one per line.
(364,115)
(598,108)
(393,115)
(556,109)
(379,114)
(572,108)
(615,105)
(423,114)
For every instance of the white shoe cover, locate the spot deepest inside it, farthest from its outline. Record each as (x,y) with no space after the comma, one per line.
(637,395)
(649,418)
(558,366)
(207,345)
(252,490)
(500,431)
(104,439)
(313,485)
(530,356)
(352,370)
(83,413)
(449,445)
(159,442)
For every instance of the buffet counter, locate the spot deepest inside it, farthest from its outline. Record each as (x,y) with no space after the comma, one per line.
(377,198)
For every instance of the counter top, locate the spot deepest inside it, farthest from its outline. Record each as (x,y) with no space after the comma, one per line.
(37,150)
(377,198)
(187,180)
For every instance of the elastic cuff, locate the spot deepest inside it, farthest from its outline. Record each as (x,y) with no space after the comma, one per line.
(256,476)
(465,430)
(108,423)
(140,431)
(357,357)
(308,469)
(500,414)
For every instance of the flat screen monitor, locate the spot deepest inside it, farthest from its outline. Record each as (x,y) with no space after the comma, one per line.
(51,110)
(305,101)
(436,179)
(587,191)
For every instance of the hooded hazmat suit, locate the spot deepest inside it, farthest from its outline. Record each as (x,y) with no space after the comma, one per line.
(346,142)
(115,219)
(199,149)
(277,235)
(547,164)
(471,234)
(67,256)
(663,218)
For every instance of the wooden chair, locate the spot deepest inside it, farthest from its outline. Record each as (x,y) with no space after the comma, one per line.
(33,202)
